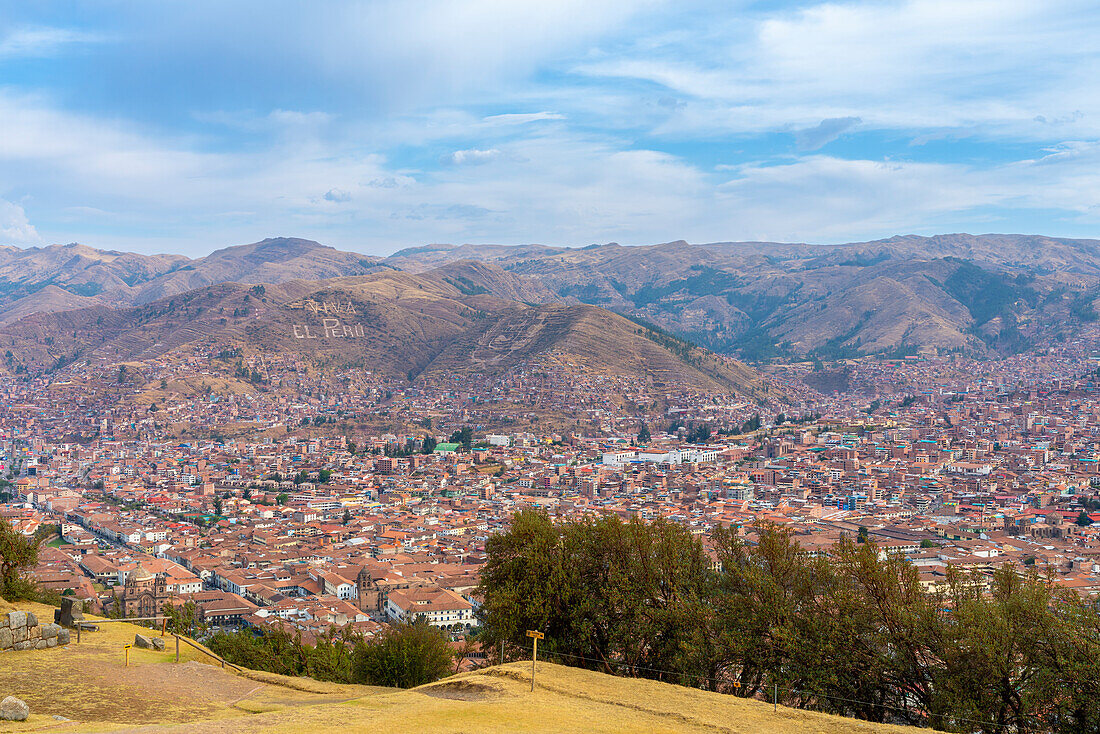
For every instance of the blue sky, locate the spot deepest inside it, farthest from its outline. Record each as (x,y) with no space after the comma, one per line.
(372,126)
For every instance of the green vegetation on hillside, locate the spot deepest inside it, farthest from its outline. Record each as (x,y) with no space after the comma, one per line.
(986,294)
(705,282)
(854,634)
(465,286)
(404,656)
(687,352)
(19,554)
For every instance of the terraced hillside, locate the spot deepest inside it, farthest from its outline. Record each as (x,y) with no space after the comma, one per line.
(465,318)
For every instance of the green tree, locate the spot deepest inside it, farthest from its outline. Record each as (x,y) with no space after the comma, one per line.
(463,436)
(644,435)
(184,619)
(281,498)
(998,661)
(619,597)
(699,434)
(854,633)
(521,580)
(331,658)
(275,651)
(18,554)
(1083,519)
(764,592)
(404,656)
(890,640)
(347,516)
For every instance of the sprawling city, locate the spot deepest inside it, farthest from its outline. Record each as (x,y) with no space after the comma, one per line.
(637,366)
(316,523)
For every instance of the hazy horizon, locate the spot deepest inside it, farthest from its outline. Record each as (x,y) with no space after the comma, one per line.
(203,253)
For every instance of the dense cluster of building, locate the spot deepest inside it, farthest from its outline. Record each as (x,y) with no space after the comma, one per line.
(947,461)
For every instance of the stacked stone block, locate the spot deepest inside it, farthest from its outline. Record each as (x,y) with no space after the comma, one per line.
(21,631)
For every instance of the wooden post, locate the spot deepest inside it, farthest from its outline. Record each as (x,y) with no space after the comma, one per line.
(163,626)
(78,626)
(535,636)
(128,655)
(177,648)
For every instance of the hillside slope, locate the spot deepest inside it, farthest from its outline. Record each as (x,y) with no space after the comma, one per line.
(111,278)
(88,684)
(460,319)
(981,294)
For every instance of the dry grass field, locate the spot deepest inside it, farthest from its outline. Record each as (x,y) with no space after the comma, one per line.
(89,685)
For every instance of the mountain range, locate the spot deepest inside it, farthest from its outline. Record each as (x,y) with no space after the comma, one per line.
(981,294)
(63,277)
(463,318)
(493,307)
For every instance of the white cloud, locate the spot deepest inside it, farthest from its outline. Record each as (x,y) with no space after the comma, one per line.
(15,229)
(470,157)
(827,198)
(559,187)
(277,120)
(364,123)
(520,118)
(993,67)
(825,132)
(41,41)
(381,56)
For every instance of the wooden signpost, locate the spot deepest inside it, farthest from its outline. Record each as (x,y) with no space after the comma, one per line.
(128,655)
(535,636)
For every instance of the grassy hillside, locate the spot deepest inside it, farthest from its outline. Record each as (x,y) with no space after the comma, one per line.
(88,684)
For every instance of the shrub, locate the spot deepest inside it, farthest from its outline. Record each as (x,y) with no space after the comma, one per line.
(404,656)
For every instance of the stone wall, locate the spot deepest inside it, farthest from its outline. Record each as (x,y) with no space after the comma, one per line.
(21,631)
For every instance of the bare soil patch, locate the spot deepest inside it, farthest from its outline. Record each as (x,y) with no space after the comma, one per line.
(463,690)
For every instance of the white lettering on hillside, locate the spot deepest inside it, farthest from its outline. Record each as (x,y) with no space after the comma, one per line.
(330,329)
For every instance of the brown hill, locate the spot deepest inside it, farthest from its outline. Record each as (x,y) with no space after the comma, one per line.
(597,341)
(459,319)
(79,270)
(274,260)
(125,278)
(980,294)
(977,293)
(48,300)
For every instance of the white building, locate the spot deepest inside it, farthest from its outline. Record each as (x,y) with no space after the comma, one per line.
(440,607)
(618,458)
